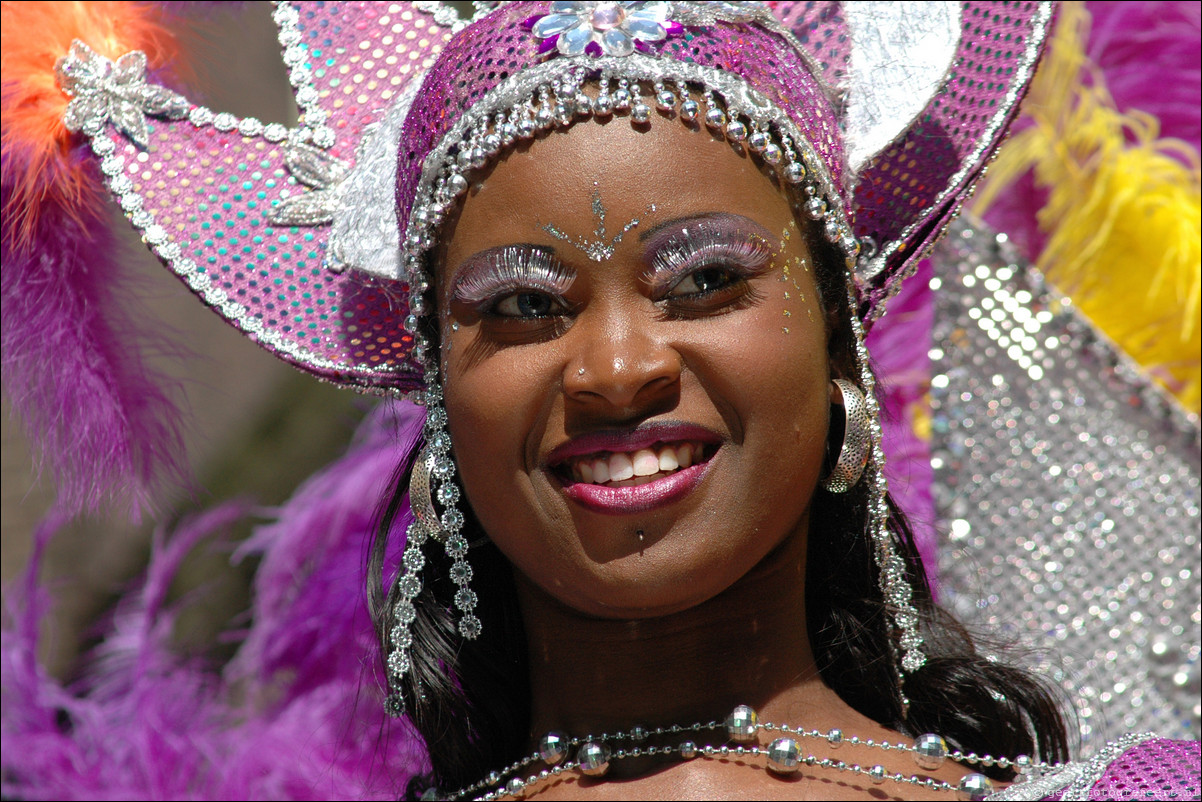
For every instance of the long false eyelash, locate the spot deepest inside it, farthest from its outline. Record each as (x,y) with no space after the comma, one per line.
(744,251)
(512,269)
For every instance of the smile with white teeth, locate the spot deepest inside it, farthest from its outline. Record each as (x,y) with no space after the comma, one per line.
(628,468)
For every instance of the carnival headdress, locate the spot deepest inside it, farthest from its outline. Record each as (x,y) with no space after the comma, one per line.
(313,240)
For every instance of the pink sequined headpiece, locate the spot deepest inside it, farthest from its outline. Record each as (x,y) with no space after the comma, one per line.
(292,235)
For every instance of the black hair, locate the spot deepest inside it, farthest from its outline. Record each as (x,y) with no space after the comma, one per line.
(470,701)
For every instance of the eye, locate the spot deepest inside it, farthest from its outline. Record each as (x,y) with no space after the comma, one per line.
(527,304)
(705,280)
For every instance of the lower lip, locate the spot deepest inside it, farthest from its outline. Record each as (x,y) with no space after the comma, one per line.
(638,498)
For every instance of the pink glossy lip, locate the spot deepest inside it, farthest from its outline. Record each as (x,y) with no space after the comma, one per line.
(637,498)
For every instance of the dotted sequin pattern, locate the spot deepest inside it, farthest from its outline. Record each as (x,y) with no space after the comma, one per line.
(1069,486)
(1156,769)
(209,181)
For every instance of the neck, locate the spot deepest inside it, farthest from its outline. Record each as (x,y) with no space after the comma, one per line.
(748,645)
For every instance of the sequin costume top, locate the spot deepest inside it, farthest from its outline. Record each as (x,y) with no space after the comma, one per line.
(1134,767)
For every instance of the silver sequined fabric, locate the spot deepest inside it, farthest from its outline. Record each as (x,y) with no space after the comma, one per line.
(1068,486)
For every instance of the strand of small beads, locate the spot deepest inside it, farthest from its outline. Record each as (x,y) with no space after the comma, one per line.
(593,756)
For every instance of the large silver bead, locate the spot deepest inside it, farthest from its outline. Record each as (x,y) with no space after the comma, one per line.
(665,101)
(795,173)
(553,747)
(640,112)
(832,231)
(715,117)
(758,141)
(742,724)
(974,788)
(736,131)
(835,738)
(515,787)
(688,750)
(456,184)
(603,105)
(593,758)
(930,750)
(689,109)
(784,755)
(772,153)
(877,773)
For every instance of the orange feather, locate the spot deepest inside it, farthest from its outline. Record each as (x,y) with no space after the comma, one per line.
(39,166)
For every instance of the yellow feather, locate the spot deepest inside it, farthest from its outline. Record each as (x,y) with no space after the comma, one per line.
(1123,214)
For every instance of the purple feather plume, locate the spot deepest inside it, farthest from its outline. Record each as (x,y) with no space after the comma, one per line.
(900,344)
(73,361)
(298,714)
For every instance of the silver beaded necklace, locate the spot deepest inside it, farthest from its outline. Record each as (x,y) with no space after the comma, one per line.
(593,756)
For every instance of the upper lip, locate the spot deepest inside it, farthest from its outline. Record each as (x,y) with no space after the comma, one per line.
(642,436)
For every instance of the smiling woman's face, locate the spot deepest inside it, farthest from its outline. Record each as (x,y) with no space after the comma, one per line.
(635,362)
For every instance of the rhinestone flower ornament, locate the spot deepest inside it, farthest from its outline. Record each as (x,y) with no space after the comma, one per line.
(103,90)
(611,28)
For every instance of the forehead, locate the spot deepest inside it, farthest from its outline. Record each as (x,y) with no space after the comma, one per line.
(656,173)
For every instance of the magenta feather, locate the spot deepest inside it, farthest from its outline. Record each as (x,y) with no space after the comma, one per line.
(1148,56)
(74,367)
(298,714)
(900,344)
(1139,46)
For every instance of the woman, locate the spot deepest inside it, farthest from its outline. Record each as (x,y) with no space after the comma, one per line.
(633,318)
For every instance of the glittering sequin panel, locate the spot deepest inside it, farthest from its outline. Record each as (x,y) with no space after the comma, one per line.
(1156,769)
(361,56)
(820,28)
(1069,486)
(213,204)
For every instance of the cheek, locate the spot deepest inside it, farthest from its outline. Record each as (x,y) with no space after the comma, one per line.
(493,407)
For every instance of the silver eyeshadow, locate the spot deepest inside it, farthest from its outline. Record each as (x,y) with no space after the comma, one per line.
(722,240)
(496,273)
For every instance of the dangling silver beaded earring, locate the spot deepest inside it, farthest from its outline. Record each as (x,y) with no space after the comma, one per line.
(895,586)
(853,451)
(433,477)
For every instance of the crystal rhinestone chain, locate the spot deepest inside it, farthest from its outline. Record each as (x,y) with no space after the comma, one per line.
(783,756)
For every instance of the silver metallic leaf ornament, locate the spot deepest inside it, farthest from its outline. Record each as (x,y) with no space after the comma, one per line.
(102,91)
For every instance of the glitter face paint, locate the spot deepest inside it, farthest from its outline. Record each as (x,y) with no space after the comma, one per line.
(787,276)
(598,249)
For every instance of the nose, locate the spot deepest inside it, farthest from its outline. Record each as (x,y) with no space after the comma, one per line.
(620,362)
